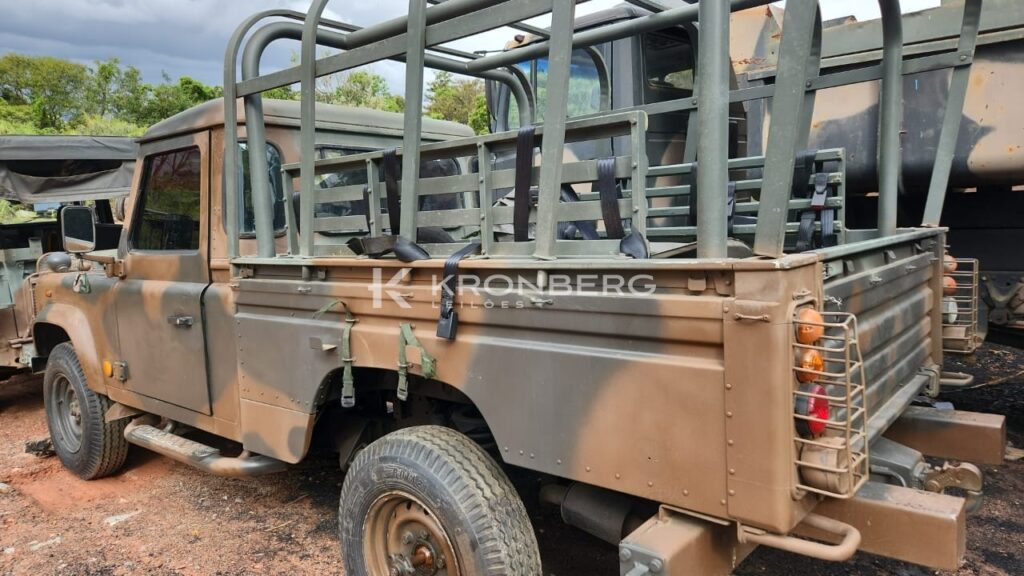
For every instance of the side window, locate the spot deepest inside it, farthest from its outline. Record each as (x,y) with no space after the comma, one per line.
(584,87)
(168,211)
(668,65)
(246,215)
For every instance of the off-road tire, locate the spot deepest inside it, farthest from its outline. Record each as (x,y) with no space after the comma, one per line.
(457,482)
(102,448)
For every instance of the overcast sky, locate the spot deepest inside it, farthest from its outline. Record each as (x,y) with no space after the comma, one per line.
(188,37)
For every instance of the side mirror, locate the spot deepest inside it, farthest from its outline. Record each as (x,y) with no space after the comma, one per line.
(78,226)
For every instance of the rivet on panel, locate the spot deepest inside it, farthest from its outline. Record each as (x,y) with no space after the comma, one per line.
(531,455)
(559,461)
(618,476)
(732,492)
(728,414)
(588,468)
(521,452)
(650,484)
(730,442)
(732,471)
(728,386)
(686,492)
(722,502)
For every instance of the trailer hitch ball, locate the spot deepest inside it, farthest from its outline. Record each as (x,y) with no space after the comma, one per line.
(963,476)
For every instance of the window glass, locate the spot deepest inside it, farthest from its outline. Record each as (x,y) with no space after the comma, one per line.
(246,214)
(668,62)
(584,87)
(168,212)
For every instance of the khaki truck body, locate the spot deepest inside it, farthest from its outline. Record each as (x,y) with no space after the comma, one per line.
(712,380)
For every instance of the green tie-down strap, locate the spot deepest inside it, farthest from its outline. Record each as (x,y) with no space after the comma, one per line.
(348,382)
(407,338)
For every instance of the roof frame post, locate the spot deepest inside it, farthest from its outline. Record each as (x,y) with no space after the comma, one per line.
(890,118)
(789,122)
(712,128)
(414,72)
(957,96)
(553,142)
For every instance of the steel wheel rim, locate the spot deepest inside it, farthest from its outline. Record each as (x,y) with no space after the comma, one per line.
(68,414)
(402,537)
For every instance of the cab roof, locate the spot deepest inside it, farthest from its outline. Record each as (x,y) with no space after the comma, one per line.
(286,113)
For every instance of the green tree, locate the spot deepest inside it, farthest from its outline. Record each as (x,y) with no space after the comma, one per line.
(53,87)
(455,100)
(366,89)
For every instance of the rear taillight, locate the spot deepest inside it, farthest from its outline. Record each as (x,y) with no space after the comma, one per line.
(812,402)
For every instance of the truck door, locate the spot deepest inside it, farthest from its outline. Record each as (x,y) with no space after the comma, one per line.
(159,300)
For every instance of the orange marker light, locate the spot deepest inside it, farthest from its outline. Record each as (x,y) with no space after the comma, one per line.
(810,360)
(948,286)
(108,368)
(809,333)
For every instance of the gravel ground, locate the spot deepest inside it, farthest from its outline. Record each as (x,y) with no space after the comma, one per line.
(162,518)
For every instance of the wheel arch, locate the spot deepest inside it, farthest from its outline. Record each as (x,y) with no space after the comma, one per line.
(58,323)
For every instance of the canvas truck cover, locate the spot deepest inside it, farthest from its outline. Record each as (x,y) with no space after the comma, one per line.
(43,169)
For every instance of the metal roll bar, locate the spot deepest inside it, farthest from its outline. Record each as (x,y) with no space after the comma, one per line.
(420,37)
(890,118)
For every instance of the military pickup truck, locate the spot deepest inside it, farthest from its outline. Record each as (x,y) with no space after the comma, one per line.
(693,358)
(41,174)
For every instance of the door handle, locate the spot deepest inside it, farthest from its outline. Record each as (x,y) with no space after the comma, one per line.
(180,321)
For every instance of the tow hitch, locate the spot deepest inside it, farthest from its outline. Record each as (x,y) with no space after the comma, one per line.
(963,476)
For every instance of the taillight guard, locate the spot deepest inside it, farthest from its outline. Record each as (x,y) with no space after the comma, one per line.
(836,461)
(960,310)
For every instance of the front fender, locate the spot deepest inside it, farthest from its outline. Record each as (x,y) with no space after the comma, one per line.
(59,322)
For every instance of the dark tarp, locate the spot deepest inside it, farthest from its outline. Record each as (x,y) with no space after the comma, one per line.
(44,169)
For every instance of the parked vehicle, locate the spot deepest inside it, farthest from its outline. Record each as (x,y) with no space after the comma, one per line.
(694,360)
(40,175)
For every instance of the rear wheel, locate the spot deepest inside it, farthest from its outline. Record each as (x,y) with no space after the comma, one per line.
(85,443)
(428,501)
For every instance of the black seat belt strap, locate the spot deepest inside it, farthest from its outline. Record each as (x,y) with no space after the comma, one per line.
(448,322)
(523,175)
(805,233)
(390,169)
(609,195)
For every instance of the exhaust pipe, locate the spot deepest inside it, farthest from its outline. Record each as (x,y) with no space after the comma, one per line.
(606,514)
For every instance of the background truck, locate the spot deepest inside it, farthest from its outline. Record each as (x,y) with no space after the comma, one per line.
(689,361)
(41,174)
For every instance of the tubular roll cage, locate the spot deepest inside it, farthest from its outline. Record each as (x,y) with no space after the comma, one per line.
(418,39)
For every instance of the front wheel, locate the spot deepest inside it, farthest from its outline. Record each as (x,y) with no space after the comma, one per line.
(427,500)
(84,441)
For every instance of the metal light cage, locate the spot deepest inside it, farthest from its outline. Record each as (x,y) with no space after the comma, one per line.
(960,333)
(845,435)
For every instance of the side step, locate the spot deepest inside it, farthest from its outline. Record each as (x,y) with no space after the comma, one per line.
(201,456)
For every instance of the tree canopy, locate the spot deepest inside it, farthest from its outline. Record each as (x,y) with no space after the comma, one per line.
(46,95)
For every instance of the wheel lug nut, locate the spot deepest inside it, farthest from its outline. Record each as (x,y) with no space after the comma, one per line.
(408,538)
